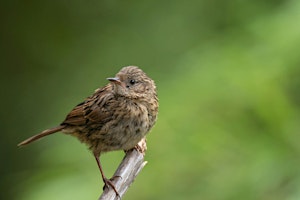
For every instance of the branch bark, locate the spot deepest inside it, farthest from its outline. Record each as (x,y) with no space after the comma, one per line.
(132,163)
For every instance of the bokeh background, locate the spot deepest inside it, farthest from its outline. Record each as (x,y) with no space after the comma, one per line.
(228,79)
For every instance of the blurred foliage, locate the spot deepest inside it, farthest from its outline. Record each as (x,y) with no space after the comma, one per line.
(227,73)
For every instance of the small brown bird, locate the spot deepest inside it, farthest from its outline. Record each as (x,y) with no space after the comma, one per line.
(115,117)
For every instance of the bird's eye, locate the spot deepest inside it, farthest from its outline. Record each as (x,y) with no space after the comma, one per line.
(132,81)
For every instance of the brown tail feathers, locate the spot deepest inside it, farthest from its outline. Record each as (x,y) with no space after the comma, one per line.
(42,134)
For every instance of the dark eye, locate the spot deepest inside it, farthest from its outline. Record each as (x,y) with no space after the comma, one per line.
(132,81)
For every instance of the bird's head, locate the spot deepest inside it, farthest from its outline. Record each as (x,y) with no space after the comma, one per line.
(132,82)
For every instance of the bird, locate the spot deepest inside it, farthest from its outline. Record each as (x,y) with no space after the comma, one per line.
(115,117)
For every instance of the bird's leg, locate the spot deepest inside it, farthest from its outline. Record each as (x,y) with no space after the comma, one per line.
(107,182)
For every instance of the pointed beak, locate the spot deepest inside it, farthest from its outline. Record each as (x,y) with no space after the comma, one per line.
(115,80)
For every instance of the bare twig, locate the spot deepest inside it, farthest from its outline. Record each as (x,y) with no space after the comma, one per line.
(132,164)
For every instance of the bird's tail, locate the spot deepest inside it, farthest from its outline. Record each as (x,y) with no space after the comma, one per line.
(42,134)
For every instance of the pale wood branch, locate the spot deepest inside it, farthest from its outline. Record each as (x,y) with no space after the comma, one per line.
(131,165)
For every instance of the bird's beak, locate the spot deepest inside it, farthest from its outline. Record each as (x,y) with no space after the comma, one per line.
(115,80)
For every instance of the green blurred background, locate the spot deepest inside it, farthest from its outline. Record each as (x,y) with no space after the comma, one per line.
(228,78)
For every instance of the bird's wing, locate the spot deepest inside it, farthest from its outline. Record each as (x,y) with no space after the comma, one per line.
(95,109)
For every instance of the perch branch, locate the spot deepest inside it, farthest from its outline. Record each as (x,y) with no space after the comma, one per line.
(131,165)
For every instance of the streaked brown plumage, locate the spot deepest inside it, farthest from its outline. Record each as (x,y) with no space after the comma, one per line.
(115,117)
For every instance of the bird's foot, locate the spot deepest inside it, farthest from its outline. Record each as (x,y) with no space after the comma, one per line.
(108,183)
(139,148)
